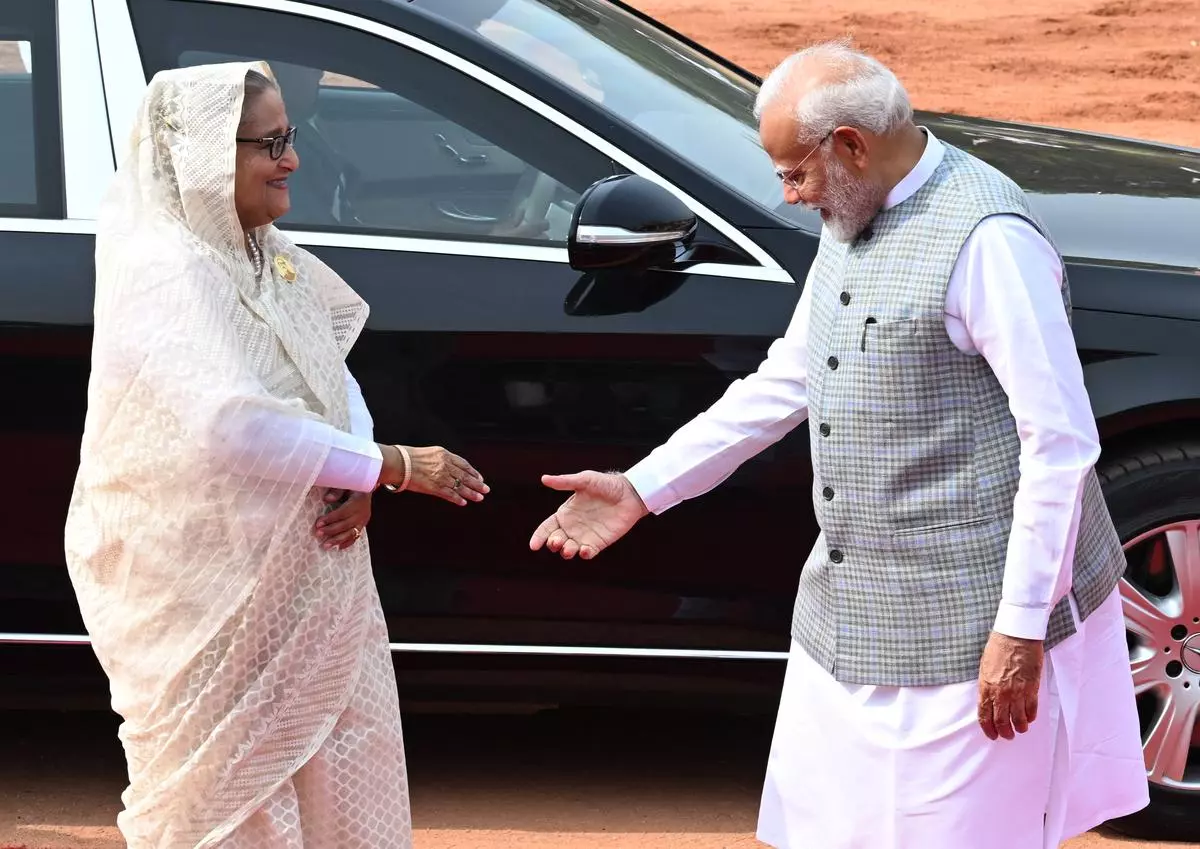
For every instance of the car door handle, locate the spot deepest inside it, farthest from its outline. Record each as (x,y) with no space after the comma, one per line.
(461,158)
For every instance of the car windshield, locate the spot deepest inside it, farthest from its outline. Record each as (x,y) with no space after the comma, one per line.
(686,101)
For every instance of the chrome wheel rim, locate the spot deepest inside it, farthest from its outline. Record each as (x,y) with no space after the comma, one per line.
(1161,598)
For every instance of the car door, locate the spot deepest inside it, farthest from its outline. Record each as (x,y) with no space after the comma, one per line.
(38,425)
(48,134)
(452,222)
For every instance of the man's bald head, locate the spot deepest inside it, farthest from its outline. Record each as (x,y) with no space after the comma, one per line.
(830,85)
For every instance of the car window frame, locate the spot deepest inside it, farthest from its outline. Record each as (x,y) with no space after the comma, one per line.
(761,264)
(443,91)
(37,23)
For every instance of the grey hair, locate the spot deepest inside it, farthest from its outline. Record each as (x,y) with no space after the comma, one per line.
(257,84)
(864,93)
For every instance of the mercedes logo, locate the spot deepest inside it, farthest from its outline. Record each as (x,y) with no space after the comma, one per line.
(1190,653)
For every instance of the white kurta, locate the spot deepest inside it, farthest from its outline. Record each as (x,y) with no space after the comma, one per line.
(864,767)
(909,767)
(353,462)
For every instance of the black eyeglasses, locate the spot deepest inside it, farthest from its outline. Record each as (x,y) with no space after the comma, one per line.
(278,143)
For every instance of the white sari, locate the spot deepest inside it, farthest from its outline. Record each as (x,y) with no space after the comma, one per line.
(250,666)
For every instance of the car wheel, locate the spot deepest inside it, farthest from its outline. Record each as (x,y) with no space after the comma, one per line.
(1154,498)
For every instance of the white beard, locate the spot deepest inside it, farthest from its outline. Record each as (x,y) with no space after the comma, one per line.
(850,202)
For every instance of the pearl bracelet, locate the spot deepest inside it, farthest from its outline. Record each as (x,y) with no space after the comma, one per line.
(391,487)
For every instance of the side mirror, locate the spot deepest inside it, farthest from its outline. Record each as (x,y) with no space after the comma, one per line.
(628,222)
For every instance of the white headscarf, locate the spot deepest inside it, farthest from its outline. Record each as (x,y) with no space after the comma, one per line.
(229,636)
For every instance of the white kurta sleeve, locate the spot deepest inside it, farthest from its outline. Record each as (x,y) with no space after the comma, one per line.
(1006,290)
(361,422)
(754,413)
(353,462)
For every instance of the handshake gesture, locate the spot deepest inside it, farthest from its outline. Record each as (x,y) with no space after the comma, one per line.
(604,507)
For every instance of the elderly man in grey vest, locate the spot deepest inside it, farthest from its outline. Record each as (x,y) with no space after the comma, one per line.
(958,676)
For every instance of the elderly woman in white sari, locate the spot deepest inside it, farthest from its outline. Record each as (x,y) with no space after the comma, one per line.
(215,536)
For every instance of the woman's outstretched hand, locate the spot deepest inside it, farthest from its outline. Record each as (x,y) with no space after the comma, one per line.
(435,471)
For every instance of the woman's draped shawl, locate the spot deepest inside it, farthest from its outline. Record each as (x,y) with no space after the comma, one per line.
(231,639)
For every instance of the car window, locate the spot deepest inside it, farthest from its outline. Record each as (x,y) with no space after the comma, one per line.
(643,76)
(389,140)
(30,141)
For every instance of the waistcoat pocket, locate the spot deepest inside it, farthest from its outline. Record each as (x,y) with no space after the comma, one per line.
(911,372)
(910,399)
(943,527)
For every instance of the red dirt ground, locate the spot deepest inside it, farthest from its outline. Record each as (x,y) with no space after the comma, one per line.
(1125,67)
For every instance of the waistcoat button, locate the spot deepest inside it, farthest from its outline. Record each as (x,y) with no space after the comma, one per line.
(827,492)
(845,298)
(824,428)
(833,362)
(835,556)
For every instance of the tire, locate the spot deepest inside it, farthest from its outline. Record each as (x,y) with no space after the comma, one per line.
(1154,496)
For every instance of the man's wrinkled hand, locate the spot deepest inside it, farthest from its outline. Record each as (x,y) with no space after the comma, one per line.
(1010,675)
(602,510)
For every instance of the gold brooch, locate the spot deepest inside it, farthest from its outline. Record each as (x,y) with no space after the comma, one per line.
(286,270)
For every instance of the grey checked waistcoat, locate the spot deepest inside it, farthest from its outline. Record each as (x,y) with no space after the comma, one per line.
(915,453)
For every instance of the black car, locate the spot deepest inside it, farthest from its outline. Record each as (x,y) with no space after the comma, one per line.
(455,154)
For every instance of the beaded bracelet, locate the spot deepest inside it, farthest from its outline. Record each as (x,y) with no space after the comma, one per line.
(391,487)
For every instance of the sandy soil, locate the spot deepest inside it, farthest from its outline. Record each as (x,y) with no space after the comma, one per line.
(1126,67)
(554,781)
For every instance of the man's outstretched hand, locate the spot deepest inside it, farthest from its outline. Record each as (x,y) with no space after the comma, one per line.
(601,510)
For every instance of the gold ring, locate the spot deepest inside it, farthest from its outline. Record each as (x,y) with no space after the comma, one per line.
(357,534)
(457,483)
